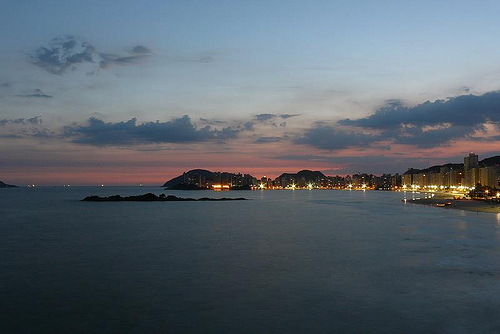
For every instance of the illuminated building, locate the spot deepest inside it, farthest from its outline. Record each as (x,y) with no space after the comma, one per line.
(472,161)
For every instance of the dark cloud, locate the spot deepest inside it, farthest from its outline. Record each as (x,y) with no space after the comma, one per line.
(430,124)
(285,116)
(225,133)
(36,94)
(465,110)
(137,53)
(179,130)
(235,128)
(264,117)
(24,121)
(428,138)
(269,117)
(16,128)
(62,54)
(268,140)
(248,126)
(212,121)
(140,50)
(6,84)
(65,53)
(328,138)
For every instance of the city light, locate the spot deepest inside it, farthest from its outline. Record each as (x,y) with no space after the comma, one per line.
(218,187)
(447,179)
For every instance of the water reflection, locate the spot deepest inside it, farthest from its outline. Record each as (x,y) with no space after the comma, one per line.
(274,263)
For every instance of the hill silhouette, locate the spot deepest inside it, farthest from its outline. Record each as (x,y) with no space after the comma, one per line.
(4,185)
(305,174)
(199,179)
(492,161)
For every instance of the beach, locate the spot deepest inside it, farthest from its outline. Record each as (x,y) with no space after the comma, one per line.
(460,204)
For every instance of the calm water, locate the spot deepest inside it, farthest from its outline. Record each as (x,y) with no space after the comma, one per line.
(285,262)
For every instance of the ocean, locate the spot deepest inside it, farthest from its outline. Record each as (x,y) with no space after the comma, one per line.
(302,261)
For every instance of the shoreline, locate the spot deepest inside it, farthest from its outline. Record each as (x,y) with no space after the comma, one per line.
(458,204)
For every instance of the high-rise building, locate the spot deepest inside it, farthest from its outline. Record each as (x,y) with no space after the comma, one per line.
(472,161)
(410,177)
(396,180)
(488,176)
(456,178)
(472,177)
(471,170)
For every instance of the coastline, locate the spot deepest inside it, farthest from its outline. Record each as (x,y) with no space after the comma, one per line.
(459,204)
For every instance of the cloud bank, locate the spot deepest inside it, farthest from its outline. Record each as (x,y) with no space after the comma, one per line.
(179,130)
(465,110)
(429,124)
(328,138)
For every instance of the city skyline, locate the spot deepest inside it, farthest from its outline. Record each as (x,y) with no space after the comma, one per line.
(261,87)
(450,176)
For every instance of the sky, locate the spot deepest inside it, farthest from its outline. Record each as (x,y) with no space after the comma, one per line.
(127,92)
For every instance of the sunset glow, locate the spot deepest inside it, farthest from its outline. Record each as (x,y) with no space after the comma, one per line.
(142,100)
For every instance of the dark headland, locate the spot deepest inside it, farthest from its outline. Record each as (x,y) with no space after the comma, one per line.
(149,197)
(5,185)
(201,179)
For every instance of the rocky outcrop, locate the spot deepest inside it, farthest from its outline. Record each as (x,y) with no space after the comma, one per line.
(149,197)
